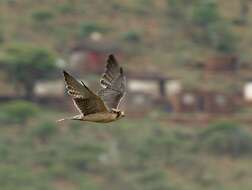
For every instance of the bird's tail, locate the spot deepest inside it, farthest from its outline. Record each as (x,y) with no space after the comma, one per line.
(76,117)
(63,119)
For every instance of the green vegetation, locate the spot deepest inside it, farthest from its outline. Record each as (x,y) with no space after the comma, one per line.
(140,154)
(179,31)
(134,154)
(227,138)
(44,131)
(42,15)
(18,112)
(214,31)
(206,13)
(87,28)
(1,37)
(132,36)
(66,8)
(176,8)
(26,64)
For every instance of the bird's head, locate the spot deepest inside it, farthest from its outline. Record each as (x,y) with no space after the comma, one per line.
(119,113)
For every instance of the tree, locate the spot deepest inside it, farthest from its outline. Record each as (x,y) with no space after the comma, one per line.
(26,64)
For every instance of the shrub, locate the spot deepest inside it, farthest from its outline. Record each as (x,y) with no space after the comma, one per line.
(150,179)
(58,170)
(22,178)
(65,8)
(177,8)
(141,7)
(226,138)
(48,155)
(221,37)
(44,131)
(206,13)
(162,146)
(42,15)
(83,157)
(214,30)
(4,149)
(132,36)
(86,28)
(18,112)
(1,36)
(11,2)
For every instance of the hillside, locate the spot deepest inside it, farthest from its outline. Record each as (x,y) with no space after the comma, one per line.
(128,154)
(193,140)
(58,23)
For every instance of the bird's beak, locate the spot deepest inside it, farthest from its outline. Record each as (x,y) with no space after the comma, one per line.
(122,114)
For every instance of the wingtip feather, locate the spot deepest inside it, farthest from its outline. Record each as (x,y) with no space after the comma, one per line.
(121,70)
(61,120)
(111,58)
(65,73)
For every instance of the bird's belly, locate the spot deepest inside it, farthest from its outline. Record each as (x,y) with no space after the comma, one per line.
(100,117)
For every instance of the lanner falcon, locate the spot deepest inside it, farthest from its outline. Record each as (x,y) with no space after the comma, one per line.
(103,106)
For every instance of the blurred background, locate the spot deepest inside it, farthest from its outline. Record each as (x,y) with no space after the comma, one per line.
(188,103)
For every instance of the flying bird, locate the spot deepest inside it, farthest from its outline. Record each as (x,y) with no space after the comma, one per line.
(103,106)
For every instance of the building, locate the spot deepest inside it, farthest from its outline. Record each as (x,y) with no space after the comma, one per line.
(89,55)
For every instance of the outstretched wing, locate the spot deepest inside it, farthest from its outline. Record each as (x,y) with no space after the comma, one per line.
(113,83)
(84,99)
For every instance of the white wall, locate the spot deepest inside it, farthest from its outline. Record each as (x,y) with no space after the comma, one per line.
(145,86)
(247,91)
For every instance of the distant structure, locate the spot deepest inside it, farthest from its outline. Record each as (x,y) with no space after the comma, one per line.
(89,54)
(217,65)
(215,97)
(152,83)
(146,90)
(247,91)
(203,101)
(224,64)
(149,88)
